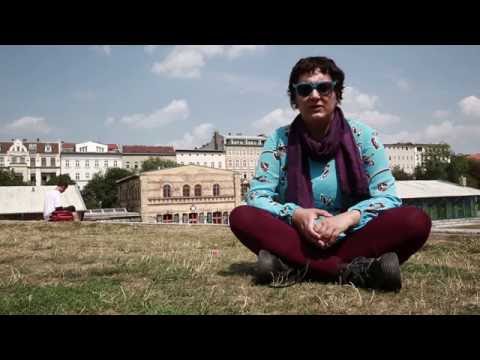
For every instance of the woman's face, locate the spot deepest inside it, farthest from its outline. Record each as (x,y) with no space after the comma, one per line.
(316,108)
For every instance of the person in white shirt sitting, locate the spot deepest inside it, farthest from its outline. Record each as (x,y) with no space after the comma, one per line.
(52,202)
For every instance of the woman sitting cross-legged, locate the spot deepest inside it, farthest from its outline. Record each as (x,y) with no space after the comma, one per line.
(323,201)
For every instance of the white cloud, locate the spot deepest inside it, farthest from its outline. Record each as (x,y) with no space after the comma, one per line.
(238,50)
(175,111)
(402,84)
(200,135)
(251,84)
(441,114)
(110,121)
(374,118)
(186,61)
(462,138)
(355,101)
(181,64)
(84,95)
(470,106)
(273,120)
(29,124)
(105,49)
(363,107)
(150,49)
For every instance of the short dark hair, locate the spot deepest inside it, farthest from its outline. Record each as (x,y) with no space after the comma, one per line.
(62,182)
(309,65)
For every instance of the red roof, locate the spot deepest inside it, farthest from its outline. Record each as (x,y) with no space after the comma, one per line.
(4,146)
(141,149)
(474,156)
(112,147)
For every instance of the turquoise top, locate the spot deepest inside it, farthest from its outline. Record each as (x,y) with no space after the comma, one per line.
(268,187)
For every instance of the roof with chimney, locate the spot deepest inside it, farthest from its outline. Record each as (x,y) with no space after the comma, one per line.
(142,149)
(33,147)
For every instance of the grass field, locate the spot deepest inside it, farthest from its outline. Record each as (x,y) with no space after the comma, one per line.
(94,268)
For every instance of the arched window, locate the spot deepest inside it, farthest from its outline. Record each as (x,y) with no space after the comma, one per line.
(198,190)
(216,190)
(186,191)
(167,191)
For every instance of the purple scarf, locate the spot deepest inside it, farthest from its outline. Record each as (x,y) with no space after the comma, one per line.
(338,143)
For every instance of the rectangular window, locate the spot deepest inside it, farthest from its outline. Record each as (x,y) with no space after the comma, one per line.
(115,163)
(52,162)
(96,163)
(22,159)
(127,164)
(77,163)
(87,176)
(212,164)
(67,163)
(32,147)
(77,176)
(219,164)
(105,163)
(87,164)
(44,162)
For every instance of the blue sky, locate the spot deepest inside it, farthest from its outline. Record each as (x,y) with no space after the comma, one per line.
(178,95)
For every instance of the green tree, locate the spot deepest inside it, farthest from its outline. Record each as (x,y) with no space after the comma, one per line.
(9,178)
(458,167)
(473,175)
(399,174)
(101,191)
(54,179)
(157,163)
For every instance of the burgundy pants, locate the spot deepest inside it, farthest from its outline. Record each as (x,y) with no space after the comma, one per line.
(402,230)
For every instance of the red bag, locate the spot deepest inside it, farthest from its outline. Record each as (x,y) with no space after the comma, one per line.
(61,215)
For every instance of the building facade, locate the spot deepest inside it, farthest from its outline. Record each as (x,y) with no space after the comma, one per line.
(133,156)
(407,156)
(184,195)
(201,157)
(34,161)
(82,161)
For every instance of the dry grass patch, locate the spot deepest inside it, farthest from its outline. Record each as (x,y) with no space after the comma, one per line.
(95,268)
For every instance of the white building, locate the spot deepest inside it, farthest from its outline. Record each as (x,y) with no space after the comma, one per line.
(82,161)
(34,161)
(242,153)
(208,158)
(408,156)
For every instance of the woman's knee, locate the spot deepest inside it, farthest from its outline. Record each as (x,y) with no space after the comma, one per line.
(416,223)
(241,216)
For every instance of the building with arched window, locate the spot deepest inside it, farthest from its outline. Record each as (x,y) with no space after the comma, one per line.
(186,195)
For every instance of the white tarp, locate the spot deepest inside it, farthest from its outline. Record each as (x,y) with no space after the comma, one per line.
(410,189)
(29,199)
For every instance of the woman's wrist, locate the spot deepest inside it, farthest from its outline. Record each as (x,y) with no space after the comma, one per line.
(354,216)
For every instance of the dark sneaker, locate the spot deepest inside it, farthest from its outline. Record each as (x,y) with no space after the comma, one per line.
(271,270)
(382,273)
